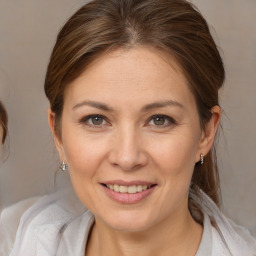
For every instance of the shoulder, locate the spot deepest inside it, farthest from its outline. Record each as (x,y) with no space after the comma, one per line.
(235,239)
(245,235)
(219,246)
(232,240)
(226,235)
(9,222)
(223,237)
(43,224)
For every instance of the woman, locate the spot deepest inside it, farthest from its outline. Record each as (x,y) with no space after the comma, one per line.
(133,90)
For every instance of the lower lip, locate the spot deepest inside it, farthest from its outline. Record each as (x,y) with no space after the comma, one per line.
(126,198)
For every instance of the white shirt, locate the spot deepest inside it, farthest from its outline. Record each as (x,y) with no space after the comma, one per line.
(58,225)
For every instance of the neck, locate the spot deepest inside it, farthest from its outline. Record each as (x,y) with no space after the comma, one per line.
(180,238)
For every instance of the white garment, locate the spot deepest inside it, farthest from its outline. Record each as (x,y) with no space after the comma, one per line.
(58,225)
(9,222)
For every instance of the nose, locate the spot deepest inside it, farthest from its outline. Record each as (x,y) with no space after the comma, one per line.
(127,150)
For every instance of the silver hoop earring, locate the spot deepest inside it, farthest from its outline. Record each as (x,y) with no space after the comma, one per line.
(63,166)
(201,159)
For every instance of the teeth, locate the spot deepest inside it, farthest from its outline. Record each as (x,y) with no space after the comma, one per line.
(128,189)
(116,188)
(139,188)
(123,189)
(132,189)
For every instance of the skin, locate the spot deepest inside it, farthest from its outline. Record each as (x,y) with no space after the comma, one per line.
(131,144)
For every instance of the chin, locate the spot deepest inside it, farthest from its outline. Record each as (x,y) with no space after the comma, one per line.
(127,222)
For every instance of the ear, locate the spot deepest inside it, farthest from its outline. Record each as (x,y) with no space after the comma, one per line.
(56,137)
(209,133)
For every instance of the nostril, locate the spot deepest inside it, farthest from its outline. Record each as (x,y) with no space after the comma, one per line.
(127,151)
(129,160)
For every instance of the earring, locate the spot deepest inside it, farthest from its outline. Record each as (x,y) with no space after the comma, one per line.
(201,159)
(63,166)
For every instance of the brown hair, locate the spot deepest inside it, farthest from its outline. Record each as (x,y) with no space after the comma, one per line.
(3,121)
(173,26)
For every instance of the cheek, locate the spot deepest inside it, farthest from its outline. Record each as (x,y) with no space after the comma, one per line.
(85,154)
(176,153)
(84,157)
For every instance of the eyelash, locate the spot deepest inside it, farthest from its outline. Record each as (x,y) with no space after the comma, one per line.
(170,120)
(85,121)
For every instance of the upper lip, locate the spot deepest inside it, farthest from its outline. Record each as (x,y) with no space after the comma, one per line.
(128,183)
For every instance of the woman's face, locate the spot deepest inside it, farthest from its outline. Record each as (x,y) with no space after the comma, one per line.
(131,137)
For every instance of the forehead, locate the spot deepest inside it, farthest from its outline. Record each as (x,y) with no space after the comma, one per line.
(141,73)
(137,62)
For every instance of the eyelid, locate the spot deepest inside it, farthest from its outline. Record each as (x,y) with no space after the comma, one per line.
(171,120)
(85,119)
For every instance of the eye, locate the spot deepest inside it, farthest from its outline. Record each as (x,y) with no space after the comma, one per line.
(94,120)
(161,120)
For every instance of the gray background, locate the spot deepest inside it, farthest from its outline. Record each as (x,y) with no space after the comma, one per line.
(28,29)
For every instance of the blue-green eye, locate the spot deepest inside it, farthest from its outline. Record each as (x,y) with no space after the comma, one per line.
(161,120)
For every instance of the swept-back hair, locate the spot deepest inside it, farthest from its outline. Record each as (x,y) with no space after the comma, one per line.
(175,27)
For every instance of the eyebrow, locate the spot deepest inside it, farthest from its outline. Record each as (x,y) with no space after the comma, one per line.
(162,104)
(94,104)
(147,107)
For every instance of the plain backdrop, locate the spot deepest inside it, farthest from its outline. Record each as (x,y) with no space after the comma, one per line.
(28,29)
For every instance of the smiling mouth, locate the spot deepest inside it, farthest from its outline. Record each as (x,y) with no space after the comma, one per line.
(128,189)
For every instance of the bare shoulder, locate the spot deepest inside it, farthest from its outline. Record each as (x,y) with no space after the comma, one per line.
(9,222)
